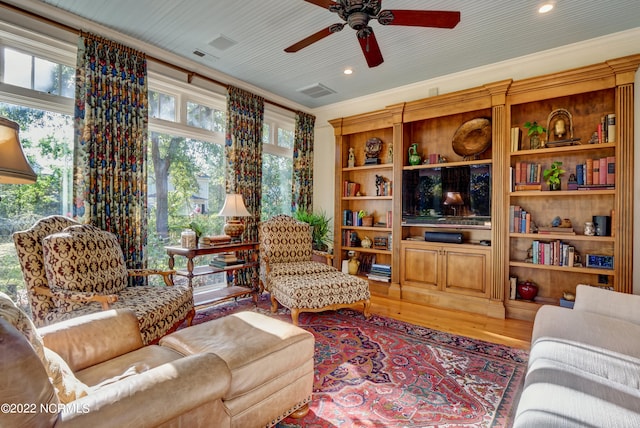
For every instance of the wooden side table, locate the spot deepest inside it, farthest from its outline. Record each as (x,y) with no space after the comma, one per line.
(225,293)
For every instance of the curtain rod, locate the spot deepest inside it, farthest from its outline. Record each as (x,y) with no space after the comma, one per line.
(190,74)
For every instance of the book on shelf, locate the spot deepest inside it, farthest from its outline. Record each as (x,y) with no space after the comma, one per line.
(515,139)
(224,264)
(528,186)
(227,257)
(597,172)
(596,187)
(610,120)
(350,188)
(519,220)
(552,253)
(379,278)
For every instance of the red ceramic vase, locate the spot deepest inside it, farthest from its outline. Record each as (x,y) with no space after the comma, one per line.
(527,290)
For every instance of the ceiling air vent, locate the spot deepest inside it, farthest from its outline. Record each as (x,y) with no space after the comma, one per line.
(222,42)
(316,90)
(199,53)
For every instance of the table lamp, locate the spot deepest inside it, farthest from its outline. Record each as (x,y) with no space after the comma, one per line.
(234,207)
(453,199)
(14,167)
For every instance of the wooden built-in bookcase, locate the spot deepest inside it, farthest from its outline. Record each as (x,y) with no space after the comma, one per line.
(475,277)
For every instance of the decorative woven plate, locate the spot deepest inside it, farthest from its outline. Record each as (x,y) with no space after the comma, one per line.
(473,137)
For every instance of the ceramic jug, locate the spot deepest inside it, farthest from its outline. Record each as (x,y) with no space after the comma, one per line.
(353,266)
(414,157)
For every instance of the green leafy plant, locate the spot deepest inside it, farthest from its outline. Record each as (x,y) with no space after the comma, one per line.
(553,173)
(362,213)
(197,228)
(534,128)
(319,227)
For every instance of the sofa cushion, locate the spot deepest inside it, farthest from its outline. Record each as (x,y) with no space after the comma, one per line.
(24,381)
(18,319)
(284,239)
(84,259)
(586,328)
(298,268)
(68,387)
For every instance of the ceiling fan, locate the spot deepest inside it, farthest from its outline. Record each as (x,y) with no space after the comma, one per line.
(358,13)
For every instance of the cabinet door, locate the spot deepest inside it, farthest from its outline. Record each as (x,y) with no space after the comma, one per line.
(466,271)
(419,267)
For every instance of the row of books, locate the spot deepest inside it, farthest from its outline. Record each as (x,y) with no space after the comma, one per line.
(224,260)
(350,188)
(597,172)
(607,129)
(527,173)
(380,272)
(519,220)
(555,253)
(351,218)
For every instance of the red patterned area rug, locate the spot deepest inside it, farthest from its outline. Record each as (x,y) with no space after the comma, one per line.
(386,373)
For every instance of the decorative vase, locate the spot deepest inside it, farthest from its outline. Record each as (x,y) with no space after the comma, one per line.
(353,266)
(535,142)
(527,290)
(414,157)
(554,186)
(366,242)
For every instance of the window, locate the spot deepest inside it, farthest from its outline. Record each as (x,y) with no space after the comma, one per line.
(277,164)
(185,160)
(28,71)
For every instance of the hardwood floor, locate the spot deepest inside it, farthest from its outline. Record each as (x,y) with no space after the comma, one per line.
(510,332)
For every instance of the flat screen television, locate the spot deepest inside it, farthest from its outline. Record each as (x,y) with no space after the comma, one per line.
(455,196)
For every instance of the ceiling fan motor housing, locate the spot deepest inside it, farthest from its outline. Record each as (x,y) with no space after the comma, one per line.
(358,20)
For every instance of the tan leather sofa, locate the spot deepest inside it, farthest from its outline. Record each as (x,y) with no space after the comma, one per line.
(100,374)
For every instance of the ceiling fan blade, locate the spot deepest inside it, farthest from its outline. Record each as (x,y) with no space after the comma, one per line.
(420,18)
(322,3)
(314,38)
(371,50)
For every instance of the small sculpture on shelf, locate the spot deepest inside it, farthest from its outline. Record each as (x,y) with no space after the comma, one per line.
(352,158)
(390,153)
(372,150)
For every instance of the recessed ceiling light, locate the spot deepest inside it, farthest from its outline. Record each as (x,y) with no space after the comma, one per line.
(546,7)
(348,71)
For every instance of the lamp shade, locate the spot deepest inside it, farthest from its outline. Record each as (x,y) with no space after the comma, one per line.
(234,206)
(453,198)
(14,167)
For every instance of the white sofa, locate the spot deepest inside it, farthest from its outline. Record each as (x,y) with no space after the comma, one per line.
(584,365)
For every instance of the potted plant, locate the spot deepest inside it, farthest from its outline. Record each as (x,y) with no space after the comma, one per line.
(552,175)
(534,132)
(319,227)
(367,219)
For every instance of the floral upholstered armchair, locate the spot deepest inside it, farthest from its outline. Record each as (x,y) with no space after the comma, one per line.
(298,283)
(71,269)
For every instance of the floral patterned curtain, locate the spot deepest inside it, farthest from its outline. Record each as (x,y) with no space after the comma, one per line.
(243,153)
(302,183)
(110,143)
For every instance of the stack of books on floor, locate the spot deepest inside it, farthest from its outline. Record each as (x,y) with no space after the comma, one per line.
(224,260)
(380,272)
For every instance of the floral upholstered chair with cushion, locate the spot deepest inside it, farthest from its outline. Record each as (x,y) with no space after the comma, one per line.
(72,269)
(298,283)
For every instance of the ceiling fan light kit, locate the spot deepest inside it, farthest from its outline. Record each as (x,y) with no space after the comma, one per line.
(358,13)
